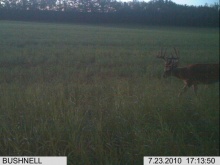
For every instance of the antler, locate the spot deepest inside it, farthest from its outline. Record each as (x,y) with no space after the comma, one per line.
(162,54)
(174,60)
(176,53)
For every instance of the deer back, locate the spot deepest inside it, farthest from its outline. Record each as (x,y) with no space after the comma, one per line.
(203,73)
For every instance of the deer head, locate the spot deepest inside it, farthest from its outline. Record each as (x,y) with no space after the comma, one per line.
(170,62)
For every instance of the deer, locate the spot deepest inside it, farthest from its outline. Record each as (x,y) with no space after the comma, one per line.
(192,74)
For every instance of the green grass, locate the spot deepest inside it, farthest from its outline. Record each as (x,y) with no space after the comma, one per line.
(95,93)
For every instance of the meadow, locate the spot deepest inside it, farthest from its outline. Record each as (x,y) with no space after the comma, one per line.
(95,93)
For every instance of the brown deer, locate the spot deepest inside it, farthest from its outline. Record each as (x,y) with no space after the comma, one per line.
(192,74)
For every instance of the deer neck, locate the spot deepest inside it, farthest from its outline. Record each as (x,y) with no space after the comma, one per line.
(180,73)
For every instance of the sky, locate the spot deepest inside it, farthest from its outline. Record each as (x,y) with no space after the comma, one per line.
(188,2)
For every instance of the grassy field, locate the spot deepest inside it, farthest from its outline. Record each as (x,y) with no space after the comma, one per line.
(96,93)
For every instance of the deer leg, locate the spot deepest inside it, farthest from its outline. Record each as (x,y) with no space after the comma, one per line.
(183,90)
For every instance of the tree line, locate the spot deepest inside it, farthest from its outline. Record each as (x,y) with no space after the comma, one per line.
(154,12)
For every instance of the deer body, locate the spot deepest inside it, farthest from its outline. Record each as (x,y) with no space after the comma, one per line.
(195,74)
(192,75)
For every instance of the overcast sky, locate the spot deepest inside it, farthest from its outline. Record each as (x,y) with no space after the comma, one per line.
(187,2)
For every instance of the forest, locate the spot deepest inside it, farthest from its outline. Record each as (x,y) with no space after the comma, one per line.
(154,12)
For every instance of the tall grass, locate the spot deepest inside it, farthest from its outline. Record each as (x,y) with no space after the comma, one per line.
(95,93)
